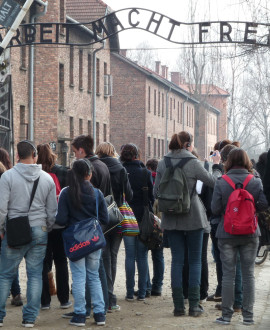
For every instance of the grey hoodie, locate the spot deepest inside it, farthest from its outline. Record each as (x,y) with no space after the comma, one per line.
(16,187)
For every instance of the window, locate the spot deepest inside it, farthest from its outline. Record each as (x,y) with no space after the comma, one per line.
(23,134)
(71,127)
(174,103)
(158,150)
(192,117)
(174,126)
(23,49)
(98,76)
(149,99)
(149,145)
(159,103)
(105,68)
(62,15)
(97,133)
(80,69)
(155,147)
(89,127)
(178,113)
(181,114)
(162,107)
(71,66)
(89,71)
(170,108)
(104,132)
(155,102)
(61,87)
(187,115)
(80,126)
(162,148)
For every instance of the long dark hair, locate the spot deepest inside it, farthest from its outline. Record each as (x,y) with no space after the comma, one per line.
(180,140)
(75,177)
(4,158)
(46,157)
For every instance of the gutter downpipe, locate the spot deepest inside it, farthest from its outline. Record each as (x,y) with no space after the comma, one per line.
(167,119)
(95,87)
(31,74)
(183,118)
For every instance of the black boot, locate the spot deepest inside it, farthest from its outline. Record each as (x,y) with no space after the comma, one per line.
(178,301)
(195,309)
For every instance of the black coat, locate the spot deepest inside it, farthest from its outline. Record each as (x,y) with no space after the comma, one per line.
(100,176)
(61,173)
(135,172)
(119,180)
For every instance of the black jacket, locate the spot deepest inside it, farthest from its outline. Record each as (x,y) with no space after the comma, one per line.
(61,173)
(135,174)
(119,179)
(100,176)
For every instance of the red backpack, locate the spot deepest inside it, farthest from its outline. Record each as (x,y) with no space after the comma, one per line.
(57,184)
(240,215)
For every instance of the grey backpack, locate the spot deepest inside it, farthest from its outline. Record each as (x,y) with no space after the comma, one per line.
(173,192)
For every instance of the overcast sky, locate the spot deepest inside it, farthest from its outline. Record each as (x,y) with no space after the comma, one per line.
(207,10)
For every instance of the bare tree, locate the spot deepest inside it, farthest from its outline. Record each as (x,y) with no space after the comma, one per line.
(143,55)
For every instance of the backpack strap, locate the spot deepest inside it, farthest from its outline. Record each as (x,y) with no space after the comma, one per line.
(247,179)
(168,161)
(183,161)
(229,181)
(145,187)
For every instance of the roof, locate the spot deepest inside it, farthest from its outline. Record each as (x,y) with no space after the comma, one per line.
(153,75)
(206,90)
(85,10)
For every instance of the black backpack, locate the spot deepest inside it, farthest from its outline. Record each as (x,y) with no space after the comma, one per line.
(173,192)
(150,233)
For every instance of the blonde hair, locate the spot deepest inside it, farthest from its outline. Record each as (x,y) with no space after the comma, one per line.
(105,148)
(2,168)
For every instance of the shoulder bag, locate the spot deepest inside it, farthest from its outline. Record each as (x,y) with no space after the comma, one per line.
(18,229)
(84,237)
(129,225)
(150,233)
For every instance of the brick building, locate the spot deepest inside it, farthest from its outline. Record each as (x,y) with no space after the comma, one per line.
(141,99)
(58,105)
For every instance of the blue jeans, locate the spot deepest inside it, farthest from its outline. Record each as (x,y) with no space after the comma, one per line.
(158,271)
(194,239)
(34,254)
(247,249)
(85,272)
(136,250)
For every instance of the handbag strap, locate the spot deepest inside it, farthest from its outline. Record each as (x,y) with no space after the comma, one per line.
(97,200)
(33,192)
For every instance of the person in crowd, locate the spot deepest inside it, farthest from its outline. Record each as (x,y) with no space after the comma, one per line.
(261,164)
(204,270)
(238,294)
(188,226)
(216,297)
(120,183)
(55,248)
(15,287)
(237,167)
(83,147)
(16,187)
(154,288)
(151,165)
(77,202)
(133,246)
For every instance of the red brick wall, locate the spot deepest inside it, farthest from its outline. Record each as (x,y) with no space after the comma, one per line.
(130,118)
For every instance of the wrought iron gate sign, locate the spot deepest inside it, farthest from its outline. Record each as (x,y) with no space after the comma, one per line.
(239,32)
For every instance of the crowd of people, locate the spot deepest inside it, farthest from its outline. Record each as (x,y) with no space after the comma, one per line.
(61,197)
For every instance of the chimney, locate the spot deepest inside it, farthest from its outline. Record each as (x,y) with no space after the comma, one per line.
(123,52)
(163,68)
(166,72)
(157,67)
(176,78)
